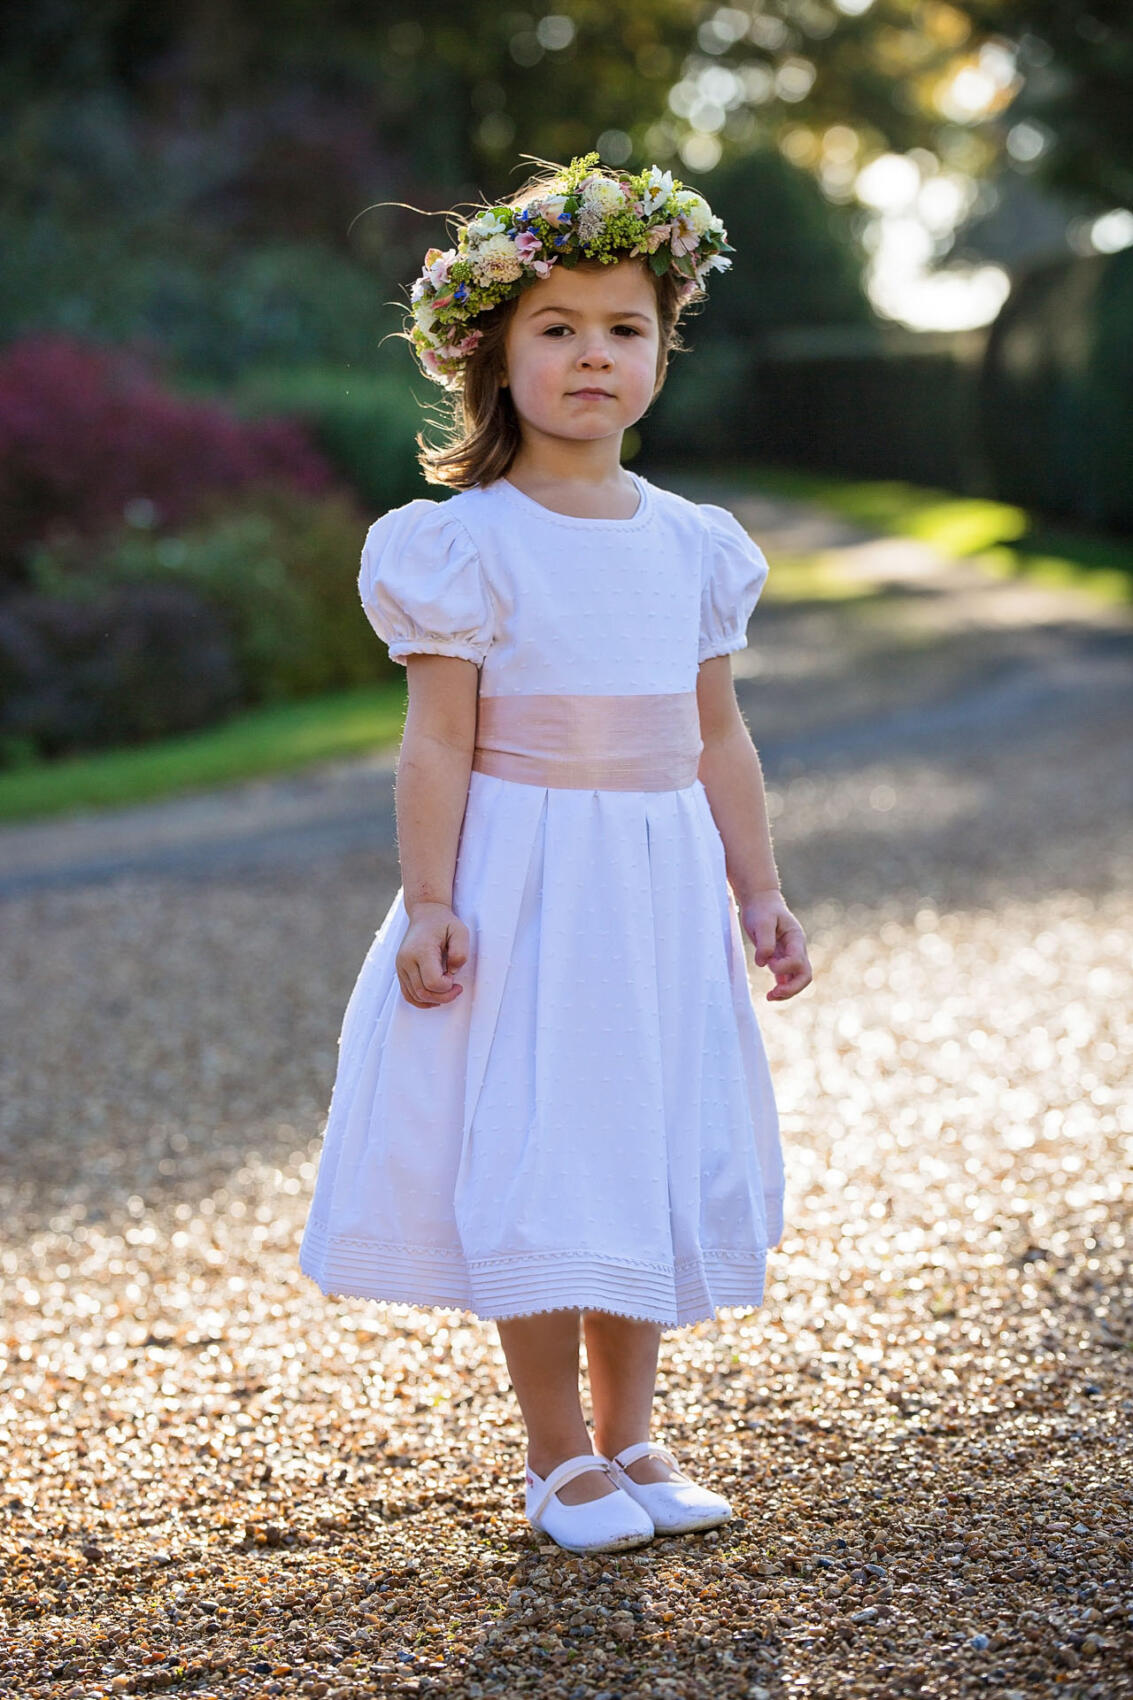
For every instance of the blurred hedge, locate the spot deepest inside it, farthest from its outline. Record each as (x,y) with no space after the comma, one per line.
(126,663)
(870,402)
(213,314)
(146,633)
(364,423)
(167,559)
(1057,391)
(90,435)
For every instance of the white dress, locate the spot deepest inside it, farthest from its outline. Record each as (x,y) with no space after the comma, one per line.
(591,1123)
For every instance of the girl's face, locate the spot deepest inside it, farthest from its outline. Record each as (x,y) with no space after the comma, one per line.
(590,329)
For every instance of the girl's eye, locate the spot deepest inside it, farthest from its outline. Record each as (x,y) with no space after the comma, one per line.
(632,329)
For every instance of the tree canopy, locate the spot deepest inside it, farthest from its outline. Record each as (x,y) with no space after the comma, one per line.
(455,93)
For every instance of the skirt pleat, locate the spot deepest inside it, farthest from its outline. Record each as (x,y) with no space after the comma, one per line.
(591,1124)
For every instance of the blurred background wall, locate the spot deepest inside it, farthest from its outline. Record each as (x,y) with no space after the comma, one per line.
(931,203)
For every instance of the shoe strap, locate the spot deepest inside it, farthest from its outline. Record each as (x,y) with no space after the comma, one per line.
(643,1449)
(566,1472)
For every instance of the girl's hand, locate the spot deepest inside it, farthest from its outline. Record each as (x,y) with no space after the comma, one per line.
(435,944)
(780,943)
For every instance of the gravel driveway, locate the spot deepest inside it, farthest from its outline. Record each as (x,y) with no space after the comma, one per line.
(217,1482)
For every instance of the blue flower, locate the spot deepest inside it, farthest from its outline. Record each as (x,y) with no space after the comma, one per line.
(460,292)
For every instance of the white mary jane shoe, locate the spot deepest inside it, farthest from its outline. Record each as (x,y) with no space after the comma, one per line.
(608,1524)
(675,1507)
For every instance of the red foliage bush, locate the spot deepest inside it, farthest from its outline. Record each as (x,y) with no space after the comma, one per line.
(86,430)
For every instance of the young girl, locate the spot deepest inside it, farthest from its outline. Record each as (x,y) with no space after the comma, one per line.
(552,1097)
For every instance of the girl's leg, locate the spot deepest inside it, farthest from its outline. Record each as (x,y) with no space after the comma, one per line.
(542,1360)
(622,1359)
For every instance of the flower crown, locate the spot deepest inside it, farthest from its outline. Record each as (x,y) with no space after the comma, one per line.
(586,213)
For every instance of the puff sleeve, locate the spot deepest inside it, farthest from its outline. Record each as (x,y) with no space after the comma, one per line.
(734,571)
(422,586)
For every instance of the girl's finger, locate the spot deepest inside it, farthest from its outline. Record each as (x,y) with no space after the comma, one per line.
(430,995)
(456,952)
(434,979)
(761,932)
(786,985)
(792,940)
(764,941)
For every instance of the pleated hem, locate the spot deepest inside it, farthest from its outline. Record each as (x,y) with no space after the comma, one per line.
(499,1289)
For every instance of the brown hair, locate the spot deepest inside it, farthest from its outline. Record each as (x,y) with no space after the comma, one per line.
(483,428)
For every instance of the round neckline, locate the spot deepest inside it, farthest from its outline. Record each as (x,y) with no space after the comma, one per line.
(637,518)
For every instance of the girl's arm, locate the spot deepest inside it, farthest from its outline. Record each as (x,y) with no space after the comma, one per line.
(731,774)
(431,793)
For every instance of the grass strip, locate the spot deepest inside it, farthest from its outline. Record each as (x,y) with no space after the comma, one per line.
(1004,539)
(261,741)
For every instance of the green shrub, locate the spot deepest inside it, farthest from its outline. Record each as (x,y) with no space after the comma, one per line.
(363,421)
(1056,391)
(283,574)
(281,302)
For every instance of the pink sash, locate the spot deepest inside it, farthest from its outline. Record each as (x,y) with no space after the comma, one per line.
(607,743)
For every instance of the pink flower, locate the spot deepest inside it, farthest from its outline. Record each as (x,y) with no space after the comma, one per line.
(655,235)
(685,239)
(552,209)
(528,245)
(543,267)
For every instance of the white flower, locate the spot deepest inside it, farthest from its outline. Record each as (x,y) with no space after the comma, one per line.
(485,228)
(696,209)
(658,188)
(496,261)
(601,196)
